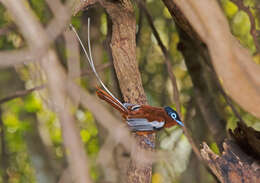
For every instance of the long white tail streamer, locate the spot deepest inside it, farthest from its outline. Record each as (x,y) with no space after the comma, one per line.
(90,60)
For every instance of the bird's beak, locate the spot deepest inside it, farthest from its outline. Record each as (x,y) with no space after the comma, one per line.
(179,122)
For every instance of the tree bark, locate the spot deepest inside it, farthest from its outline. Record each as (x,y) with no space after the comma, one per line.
(123,45)
(233,166)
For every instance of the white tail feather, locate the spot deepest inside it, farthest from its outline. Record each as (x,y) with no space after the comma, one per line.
(90,60)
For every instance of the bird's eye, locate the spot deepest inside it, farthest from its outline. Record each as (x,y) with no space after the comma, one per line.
(173,115)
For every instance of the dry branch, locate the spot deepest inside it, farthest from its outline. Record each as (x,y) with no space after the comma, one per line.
(233,166)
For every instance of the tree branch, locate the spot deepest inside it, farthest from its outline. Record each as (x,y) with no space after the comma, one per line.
(20,94)
(233,165)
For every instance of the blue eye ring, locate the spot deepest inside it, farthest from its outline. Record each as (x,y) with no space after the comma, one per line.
(173,115)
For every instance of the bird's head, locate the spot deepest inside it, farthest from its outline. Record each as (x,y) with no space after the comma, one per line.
(173,115)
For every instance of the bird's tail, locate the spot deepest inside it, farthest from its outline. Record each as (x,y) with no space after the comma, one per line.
(105,95)
(117,105)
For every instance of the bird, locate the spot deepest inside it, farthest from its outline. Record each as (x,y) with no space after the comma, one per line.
(142,119)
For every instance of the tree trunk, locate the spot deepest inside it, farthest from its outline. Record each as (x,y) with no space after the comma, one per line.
(123,46)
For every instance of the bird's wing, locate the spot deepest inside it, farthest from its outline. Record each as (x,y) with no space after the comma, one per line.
(132,107)
(142,124)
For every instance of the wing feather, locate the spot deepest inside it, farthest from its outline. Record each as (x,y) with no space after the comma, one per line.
(142,124)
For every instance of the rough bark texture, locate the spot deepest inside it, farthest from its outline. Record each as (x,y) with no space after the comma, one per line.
(233,166)
(123,46)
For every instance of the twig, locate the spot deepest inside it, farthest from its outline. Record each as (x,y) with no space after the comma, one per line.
(20,94)
(23,93)
(166,55)
(171,74)
(253,30)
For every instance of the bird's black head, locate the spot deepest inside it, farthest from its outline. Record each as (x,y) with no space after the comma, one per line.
(173,114)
